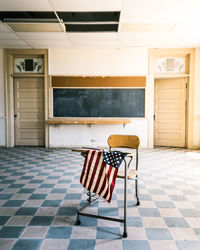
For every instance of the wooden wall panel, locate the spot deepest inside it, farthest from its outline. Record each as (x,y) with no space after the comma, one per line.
(121,81)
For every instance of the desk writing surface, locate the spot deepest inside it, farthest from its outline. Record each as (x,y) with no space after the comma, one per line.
(94,102)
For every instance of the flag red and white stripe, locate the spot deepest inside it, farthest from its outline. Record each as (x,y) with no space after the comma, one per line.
(97,176)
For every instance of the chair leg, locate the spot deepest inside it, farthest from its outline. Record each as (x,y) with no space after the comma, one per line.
(78,222)
(125,203)
(136,192)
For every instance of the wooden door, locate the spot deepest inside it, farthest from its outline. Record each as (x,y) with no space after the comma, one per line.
(29,111)
(170,109)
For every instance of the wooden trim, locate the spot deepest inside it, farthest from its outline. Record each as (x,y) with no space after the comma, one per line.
(122,81)
(10,54)
(190,61)
(73,121)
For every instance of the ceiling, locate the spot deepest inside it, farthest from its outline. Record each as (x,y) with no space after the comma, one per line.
(139,23)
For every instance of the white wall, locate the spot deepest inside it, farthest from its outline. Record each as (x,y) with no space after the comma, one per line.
(196,114)
(97,62)
(2,101)
(65,135)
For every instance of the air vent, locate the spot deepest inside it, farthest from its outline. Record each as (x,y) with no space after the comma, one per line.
(90,21)
(170,65)
(28,65)
(28,16)
(34,21)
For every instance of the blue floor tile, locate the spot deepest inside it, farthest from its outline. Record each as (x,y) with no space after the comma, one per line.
(158,234)
(38,197)
(51,203)
(178,197)
(36,181)
(26,190)
(27,244)
(89,222)
(7,181)
(136,245)
(16,185)
(59,232)
(73,196)
(197,231)
(149,212)
(4,219)
(164,204)
(145,197)
(26,211)
(46,185)
(83,244)
(134,222)
(65,181)
(11,232)
(188,245)
(26,177)
(53,177)
(67,211)
(59,190)
(190,212)
(176,222)
(107,211)
(108,233)
(5,196)
(41,221)
(13,203)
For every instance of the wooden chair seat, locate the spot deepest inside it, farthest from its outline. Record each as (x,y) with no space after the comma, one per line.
(132,173)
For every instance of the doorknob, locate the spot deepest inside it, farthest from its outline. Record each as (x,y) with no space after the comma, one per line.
(15,116)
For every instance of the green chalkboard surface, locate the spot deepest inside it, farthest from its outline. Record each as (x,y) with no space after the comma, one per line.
(98,102)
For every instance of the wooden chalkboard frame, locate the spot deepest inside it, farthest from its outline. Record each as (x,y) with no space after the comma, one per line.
(125,114)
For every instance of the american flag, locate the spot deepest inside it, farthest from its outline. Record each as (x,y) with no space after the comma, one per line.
(100,171)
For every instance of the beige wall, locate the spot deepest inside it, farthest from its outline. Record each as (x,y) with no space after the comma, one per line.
(196,113)
(2,101)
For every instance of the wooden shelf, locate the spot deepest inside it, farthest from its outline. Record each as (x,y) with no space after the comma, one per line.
(117,121)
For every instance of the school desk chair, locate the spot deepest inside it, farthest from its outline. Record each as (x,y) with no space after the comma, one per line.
(129,145)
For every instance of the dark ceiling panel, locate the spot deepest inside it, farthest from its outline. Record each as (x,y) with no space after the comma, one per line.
(91,27)
(25,15)
(89,16)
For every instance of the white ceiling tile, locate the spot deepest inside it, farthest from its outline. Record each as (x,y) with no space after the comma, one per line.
(144,27)
(144,11)
(103,36)
(146,16)
(147,39)
(86,5)
(157,5)
(8,35)
(49,43)
(25,5)
(34,27)
(3,27)
(95,44)
(180,42)
(43,35)
(13,43)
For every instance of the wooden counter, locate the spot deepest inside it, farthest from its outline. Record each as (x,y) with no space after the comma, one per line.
(90,121)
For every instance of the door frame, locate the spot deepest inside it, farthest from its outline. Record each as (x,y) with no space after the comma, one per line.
(190,62)
(9,89)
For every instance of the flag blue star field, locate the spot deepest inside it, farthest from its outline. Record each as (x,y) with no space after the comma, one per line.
(100,171)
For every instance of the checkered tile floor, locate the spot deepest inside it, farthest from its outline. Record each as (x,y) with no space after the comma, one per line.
(40,194)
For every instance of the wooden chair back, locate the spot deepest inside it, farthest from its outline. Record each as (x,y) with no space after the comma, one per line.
(124,141)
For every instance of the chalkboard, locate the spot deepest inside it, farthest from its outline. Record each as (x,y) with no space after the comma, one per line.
(98,102)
